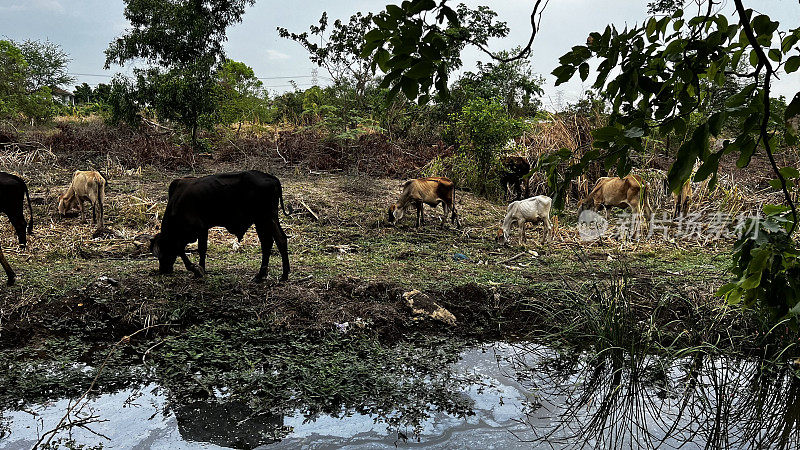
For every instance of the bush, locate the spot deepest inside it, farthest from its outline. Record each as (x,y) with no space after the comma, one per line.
(481,130)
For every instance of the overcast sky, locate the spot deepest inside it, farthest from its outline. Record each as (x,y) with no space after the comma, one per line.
(85,27)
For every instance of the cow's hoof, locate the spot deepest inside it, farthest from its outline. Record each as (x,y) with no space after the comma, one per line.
(258,279)
(10,282)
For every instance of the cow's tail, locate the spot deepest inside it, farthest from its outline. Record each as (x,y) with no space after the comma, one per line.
(282,207)
(30,210)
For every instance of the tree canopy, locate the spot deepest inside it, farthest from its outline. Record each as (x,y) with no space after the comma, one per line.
(183,43)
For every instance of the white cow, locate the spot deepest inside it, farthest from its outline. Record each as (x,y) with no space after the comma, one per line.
(534,210)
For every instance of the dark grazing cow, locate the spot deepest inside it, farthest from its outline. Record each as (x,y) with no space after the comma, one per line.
(231,200)
(12,200)
(515,172)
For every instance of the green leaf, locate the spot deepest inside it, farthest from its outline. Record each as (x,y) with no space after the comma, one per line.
(724,289)
(753,58)
(775,183)
(375,35)
(382,58)
(421,5)
(563,73)
(584,71)
(395,11)
(792,64)
(789,41)
(680,126)
(410,87)
(606,133)
(651,26)
(789,172)
(420,69)
(746,153)
(793,108)
(771,210)
(775,55)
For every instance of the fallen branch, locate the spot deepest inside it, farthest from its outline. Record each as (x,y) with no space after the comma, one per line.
(48,436)
(310,210)
(517,256)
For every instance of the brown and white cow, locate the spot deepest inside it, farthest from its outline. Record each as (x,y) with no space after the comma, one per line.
(629,192)
(86,185)
(431,191)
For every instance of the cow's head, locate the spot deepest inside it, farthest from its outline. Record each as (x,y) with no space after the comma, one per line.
(161,249)
(395,214)
(65,203)
(502,236)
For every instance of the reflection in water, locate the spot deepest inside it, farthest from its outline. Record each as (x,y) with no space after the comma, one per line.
(623,400)
(231,424)
(512,396)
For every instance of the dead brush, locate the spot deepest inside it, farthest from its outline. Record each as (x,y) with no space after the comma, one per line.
(570,131)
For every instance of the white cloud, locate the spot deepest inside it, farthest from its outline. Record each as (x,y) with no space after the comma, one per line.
(34,5)
(275,55)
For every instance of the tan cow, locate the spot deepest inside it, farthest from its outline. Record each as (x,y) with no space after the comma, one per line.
(431,191)
(630,191)
(86,185)
(7,267)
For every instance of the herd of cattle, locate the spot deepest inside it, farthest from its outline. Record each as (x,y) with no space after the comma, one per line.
(236,201)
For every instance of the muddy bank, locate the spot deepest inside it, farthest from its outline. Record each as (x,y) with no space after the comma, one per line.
(106,309)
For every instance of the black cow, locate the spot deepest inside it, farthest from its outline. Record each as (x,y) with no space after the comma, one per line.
(231,200)
(515,171)
(12,200)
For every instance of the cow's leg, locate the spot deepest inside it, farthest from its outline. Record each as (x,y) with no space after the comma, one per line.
(80,208)
(202,248)
(521,232)
(93,200)
(7,267)
(19,224)
(101,219)
(280,239)
(444,217)
(198,273)
(548,230)
(266,239)
(454,216)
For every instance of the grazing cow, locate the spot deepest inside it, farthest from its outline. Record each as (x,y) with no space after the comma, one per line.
(630,191)
(7,267)
(431,191)
(86,185)
(533,210)
(683,199)
(231,200)
(13,192)
(515,168)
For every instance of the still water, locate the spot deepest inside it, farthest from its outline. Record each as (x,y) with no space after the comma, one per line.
(521,395)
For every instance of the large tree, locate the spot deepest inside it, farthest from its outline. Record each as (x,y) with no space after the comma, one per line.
(182,42)
(17,94)
(47,64)
(13,69)
(239,93)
